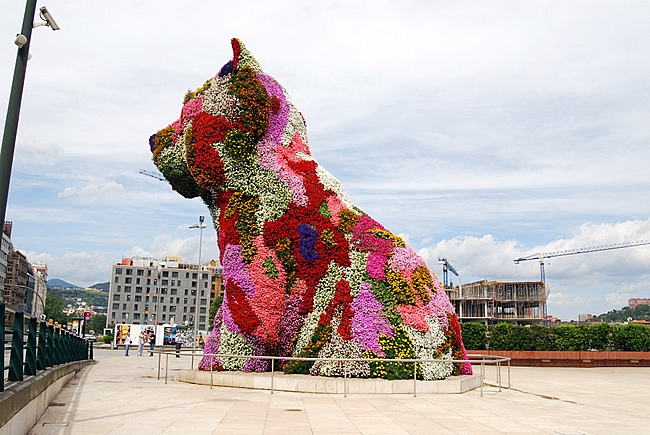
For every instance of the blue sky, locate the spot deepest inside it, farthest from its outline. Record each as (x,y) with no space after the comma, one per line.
(480,131)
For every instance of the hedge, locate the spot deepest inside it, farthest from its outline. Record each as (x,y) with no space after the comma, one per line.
(567,337)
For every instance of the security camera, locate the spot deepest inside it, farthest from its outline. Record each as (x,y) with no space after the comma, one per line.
(49,20)
(20,40)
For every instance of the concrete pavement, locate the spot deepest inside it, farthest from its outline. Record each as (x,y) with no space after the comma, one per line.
(121,395)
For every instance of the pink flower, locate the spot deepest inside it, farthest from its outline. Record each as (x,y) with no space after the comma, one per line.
(414,317)
(369,320)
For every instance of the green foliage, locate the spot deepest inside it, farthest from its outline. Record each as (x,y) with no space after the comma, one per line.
(92,296)
(474,335)
(541,338)
(506,336)
(641,312)
(214,307)
(598,336)
(107,338)
(632,337)
(54,308)
(569,338)
(399,346)
(97,323)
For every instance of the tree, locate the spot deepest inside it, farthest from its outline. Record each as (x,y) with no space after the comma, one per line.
(54,309)
(632,337)
(569,338)
(97,323)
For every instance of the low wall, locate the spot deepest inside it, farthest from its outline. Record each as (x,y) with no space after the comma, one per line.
(539,358)
(23,403)
(319,384)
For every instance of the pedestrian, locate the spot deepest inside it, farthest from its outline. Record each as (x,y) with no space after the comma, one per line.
(152,342)
(141,340)
(201,342)
(127,345)
(179,343)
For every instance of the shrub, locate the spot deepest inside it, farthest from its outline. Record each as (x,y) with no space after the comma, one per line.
(107,338)
(632,337)
(569,338)
(541,338)
(598,336)
(474,335)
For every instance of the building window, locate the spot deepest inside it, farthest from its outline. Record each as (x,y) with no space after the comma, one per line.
(137,280)
(193,283)
(194,275)
(117,279)
(185,309)
(184,317)
(140,272)
(135,307)
(174,274)
(154,299)
(125,316)
(204,276)
(112,315)
(118,271)
(165,282)
(205,284)
(187,274)
(123,307)
(138,289)
(164,308)
(163,291)
(116,297)
(119,287)
(148,272)
(201,318)
(116,306)
(128,280)
(128,298)
(204,301)
(202,310)
(165,273)
(153,317)
(174,291)
(138,298)
(186,292)
(202,293)
(127,289)
(129,271)
(136,316)
(185,301)
(163,317)
(162,299)
(172,308)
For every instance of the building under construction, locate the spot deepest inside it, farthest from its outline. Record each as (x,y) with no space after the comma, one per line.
(521,303)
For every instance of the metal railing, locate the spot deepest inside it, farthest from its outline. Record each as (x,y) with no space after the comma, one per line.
(37,347)
(474,359)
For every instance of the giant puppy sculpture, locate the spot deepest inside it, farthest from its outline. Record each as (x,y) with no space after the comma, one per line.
(306,272)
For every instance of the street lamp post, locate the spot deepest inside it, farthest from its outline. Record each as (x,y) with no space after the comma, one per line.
(23,41)
(200,225)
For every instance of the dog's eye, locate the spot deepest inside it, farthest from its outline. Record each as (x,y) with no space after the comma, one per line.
(226,69)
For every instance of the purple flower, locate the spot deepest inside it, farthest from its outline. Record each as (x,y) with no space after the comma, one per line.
(369,320)
(308,238)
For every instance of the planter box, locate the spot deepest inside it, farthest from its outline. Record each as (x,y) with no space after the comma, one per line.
(540,358)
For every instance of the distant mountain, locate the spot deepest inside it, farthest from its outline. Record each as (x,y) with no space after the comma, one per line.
(102,286)
(55,282)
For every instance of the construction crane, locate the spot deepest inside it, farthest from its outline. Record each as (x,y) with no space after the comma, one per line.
(542,257)
(157,175)
(446,268)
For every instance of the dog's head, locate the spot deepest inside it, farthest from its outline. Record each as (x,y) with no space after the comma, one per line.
(222,125)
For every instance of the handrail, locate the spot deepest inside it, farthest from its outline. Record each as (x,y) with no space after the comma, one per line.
(37,347)
(484,360)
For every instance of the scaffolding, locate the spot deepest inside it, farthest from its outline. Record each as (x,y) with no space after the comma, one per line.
(521,303)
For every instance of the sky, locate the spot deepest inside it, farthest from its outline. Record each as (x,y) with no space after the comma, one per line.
(479,131)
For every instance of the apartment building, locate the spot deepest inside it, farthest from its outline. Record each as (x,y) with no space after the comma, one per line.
(147,291)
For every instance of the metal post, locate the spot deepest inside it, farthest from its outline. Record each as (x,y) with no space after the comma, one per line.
(2,337)
(30,353)
(499,374)
(211,371)
(92,352)
(482,374)
(16,356)
(166,367)
(200,226)
(41,352)
(13,111)
(272,373)
(415,379)
(508,372)
(159,357)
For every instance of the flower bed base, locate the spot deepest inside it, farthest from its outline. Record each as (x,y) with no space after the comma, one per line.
(537,358)
(328,385)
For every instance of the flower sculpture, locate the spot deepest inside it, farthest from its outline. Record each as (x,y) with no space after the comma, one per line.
(306,273)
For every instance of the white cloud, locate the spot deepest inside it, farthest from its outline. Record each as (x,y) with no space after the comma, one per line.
(94,192)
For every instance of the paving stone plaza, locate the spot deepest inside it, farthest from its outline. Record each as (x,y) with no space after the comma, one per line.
(122,395)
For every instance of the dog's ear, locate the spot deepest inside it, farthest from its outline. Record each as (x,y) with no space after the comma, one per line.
(241,57)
